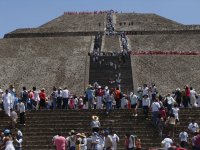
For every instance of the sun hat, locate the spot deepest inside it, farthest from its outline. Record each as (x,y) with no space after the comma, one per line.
(95,117)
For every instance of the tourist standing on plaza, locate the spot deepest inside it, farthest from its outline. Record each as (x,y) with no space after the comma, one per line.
(24,97)
(42,96)
(90,96)
(59,97)
(65,98)
(53,97)
(36,98)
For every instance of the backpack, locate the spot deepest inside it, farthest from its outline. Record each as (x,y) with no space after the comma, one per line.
(24,96)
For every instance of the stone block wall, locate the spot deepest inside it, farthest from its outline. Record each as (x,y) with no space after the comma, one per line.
(44,62)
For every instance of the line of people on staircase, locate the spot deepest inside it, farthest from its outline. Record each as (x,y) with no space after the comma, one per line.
(165,113)
(110,28)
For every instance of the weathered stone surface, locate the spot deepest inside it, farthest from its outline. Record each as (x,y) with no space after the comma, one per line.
(44,62)
(167,72)
(112,44)
(168,42)
(70,23)
(139,21)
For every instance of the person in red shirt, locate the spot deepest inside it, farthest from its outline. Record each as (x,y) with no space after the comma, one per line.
(42,96)
(187,92)
(118,97)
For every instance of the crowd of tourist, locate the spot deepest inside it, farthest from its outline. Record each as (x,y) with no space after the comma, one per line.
(88,12)
(11,140)
(97,139)
(164,109)
(110,28)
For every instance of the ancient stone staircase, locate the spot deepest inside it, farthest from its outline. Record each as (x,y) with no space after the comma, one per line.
(103,73)
(42,125)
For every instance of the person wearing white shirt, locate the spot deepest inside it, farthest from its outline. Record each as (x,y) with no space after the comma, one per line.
(193,127)
(169,102)
(155,106)
(97,142)
(18,140)
(167,143)
(175,111)
(145,90)
(134,101)
(193,95)
(115,139)
(124,102)
(131,141)
(65,97)
(183,136)
(146,105)
(36,98)
(21,109)
(7,102)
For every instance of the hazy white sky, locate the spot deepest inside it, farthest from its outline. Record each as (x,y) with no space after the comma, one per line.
(32,13)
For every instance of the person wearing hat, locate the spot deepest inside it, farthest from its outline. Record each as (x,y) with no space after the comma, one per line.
(95,124)
(90,96)
(71,140)
(83,145)
(8,140)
